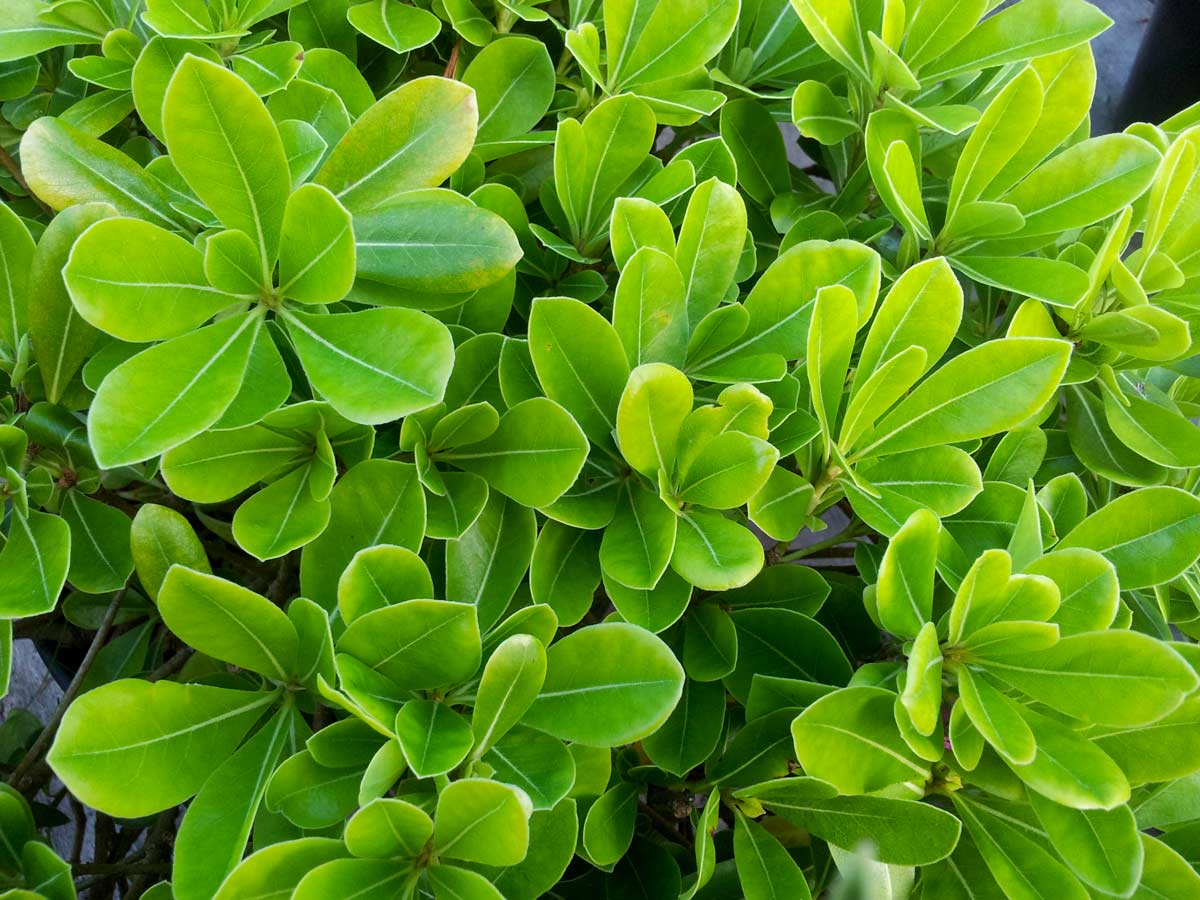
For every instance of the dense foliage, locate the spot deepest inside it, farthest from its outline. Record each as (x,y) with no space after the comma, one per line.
(409,411)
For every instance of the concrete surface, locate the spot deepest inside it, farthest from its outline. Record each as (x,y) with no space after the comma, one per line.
(1115,51)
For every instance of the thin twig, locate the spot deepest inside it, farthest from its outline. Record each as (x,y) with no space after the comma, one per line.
(13,169)
(155,847)
(281,583)
(847,534)
(80,815)
(71,692)
(452,63)
(172,665)
(666,827)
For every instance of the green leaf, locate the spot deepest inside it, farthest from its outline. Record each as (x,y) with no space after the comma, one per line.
(565,570)
(1150,535)
(1158,433)
(240,174)
(673,38)
(160,537)
(451,883)
(649,312)
(269,68)
(62,340)
(311,795)
(990,388)
(636,224)
(783,643)
(434,737)
(229,622)
(513,79)
(286,514)
(66,167)
(606,685)
(368,877)
(380,576)
(482,821)
(997,717)
(33,564)
(1031,28)
(100,555)
(922,694)
(377,502)
(1083,676)
(710,245)
(902,832)
(375,365)
(655,609)
(316,256)
(904,591)
(1102,847)
(1145,332)
(728,471)
(397,26)
(593,159)
(944,479)
(780,304)
(1166,873)
(26,33)
(710,643)
(174,735)
(850,739)
(510,683)
(1087,585)
(551,847)
(754,139)
(1016,858)
(212,836)
(16,259)
(535,762)
(534,456)
(413,138)
(1006,123)
(231,264)
(781,506)
(388,827)
(830,344)
(216,466)
(691,733)
(819,115)
(765,869)
(418,644)
(836,30)
(279,867)
(652,409)
(608,827)
(433,242)
(923,309)
(1085,183)
(170,392)
(580,363)
(715,553)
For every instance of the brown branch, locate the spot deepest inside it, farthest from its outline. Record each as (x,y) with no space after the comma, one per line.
(110,870)
(665,826)
(452,63)
(172,665)
(13,169)
(72,691)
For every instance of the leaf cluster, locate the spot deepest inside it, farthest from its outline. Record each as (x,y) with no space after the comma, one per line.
(467,451)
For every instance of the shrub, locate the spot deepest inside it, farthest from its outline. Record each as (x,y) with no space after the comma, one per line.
(410,413)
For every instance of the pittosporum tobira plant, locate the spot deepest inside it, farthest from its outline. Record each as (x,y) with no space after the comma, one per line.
(411,411)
